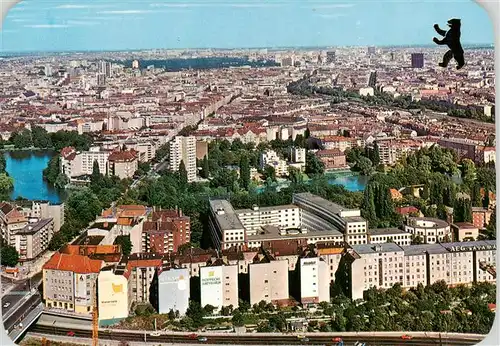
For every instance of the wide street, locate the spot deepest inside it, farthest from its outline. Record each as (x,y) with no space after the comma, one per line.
(16,290)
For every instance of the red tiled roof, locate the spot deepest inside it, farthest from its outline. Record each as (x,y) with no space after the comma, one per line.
(73,263)
(126,156)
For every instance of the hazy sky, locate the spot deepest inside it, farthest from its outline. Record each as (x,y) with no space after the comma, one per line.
(56,25)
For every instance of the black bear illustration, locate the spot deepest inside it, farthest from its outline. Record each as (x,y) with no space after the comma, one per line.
(452,40)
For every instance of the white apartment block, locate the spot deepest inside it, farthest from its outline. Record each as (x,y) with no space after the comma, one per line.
(383,265)
(270,158)
(219,286)
(226,228)
(298,155)
(384,235)
(431,230)
(314,281)
(268,281)
(286,216)
(184,149)
(75,164)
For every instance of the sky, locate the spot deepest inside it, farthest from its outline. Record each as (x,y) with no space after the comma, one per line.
(69,25)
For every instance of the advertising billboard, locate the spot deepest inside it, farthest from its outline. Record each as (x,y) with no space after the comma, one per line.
(211,286)
(173,291)
(81,296)
(112,296)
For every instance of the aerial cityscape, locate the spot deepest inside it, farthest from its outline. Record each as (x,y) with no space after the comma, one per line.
(268,185)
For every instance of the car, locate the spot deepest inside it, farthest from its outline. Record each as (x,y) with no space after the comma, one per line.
(192,336)
(6,305)
(202,339)
(337,339)
(70,333)
(406,337)
(155,334)
(304,339)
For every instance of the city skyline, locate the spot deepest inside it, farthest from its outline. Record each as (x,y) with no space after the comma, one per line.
(70,25)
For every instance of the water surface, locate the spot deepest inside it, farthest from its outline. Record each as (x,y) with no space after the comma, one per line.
(26,168)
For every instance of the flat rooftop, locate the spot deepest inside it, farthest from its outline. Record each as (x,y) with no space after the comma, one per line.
(320,201)
(376,248)
(34,227)
(266,209)
(270,232)
(225,215)
(385,231)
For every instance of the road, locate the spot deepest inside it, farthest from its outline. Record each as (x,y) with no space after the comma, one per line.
(256,339)
(20,289)
(26,306)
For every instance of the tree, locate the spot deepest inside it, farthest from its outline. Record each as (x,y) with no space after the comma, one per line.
(171,315)
(462,210)
(9,256)
(83,206)
(3,164)
(491,228)
(205,169)
(96,177)
(468,171)
(6,182)
(183,178)
(238,319)
(294,175)
(269,173)
(53,169)
(364,165)
(22,139)
(244,172)
(162,152)
(41,138)
(125,243)
(314,166)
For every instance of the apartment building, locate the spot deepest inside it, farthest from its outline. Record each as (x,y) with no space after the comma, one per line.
(286,216)
(165,231)
(481,217)
(332,159)
(270,158)
(463,231)
(46,210)
(32,240)
(268,280)
(314,281)
(219,285)
(183,149)
(173,290)
(75,164)
(226,229)
(123,164)
(384,235)
(331,253)
(430,230)
(383,265)
(69,283)
(113,300)
(11,220)
(348,221)
(139,270)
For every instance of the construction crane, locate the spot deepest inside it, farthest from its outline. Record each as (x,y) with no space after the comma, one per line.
(95,320)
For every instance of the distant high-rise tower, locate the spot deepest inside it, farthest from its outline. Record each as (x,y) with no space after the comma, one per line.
(101,79)
(330,57)
(105,68)
(371,50)
(48,70)
(372,79)
(393,56)
(417,60)
(184,149)
(135,64)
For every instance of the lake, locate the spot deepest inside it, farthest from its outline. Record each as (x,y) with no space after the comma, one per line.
(26,168)
(351,182)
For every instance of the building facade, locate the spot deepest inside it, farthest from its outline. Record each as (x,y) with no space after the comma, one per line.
(219,286)
(173,291)
(183,149)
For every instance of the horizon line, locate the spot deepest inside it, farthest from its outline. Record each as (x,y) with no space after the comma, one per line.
(123,50)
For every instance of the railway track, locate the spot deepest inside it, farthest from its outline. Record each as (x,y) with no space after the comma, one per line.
(256,339)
